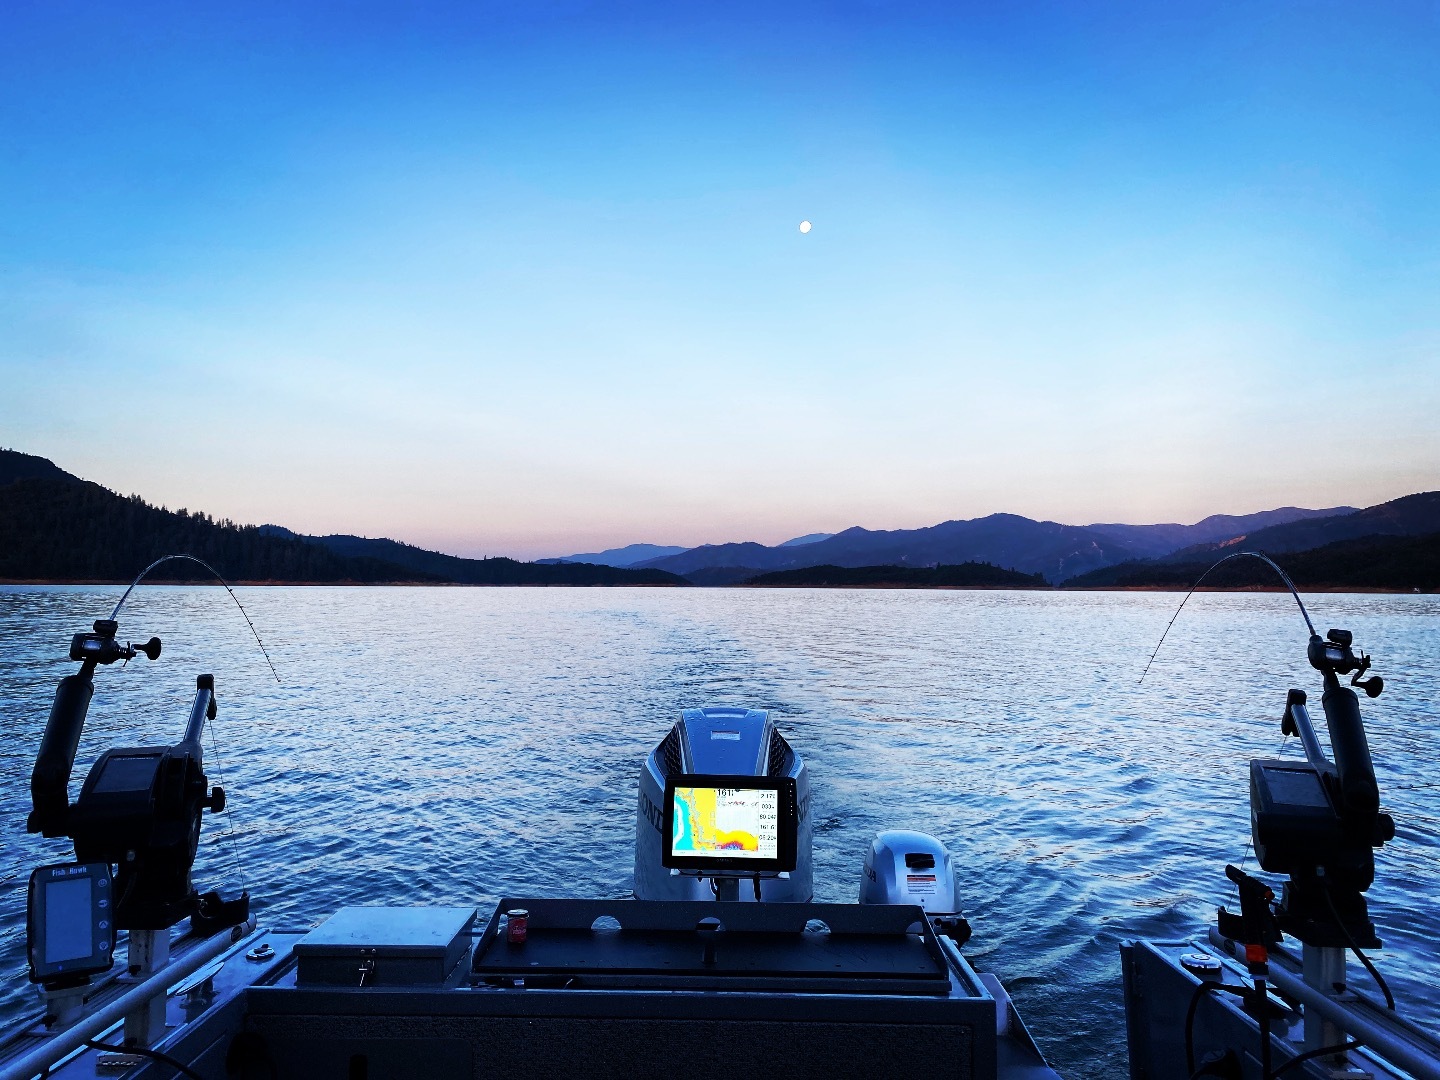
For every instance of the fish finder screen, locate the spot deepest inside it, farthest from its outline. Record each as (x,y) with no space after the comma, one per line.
(726,823)
(69,930)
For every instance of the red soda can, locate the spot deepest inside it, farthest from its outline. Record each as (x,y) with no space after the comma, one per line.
(517,925)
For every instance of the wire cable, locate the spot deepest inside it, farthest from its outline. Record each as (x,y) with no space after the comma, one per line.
(144,1051)
(214,739)
(229,813)
(1370,967)
(1203,988)
(1200,991)
(1250,841)
(1311,1055)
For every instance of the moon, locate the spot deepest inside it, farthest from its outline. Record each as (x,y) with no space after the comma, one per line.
(805,226)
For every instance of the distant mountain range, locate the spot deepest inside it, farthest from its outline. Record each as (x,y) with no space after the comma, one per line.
(460,571)
(635,554)
(964,576)
(57,527)
(1412,515)
(1100,555)
(1376,561)
(628,555)
(1055,551)
(808,538)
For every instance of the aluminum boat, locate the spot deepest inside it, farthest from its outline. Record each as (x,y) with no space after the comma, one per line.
(722,961)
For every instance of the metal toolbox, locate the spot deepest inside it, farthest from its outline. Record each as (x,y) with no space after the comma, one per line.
(385,946)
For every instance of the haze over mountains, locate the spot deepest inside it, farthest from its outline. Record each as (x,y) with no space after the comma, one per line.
(628,555)
(1412,515)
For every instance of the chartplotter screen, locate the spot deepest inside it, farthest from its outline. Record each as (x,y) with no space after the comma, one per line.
(732,823)
(744,824)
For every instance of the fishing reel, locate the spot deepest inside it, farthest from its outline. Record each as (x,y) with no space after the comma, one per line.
(1315,821)
(102,648)
(1334,656)
(139,808)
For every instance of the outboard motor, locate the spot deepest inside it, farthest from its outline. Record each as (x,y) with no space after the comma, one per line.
(741,763)
(914,868)
(909,868)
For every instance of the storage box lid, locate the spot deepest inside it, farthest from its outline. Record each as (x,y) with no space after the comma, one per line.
(390,931)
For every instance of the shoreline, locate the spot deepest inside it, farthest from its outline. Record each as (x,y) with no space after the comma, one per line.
(867,588)
(344,584)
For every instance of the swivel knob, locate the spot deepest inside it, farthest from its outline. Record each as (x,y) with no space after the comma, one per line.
(216,802)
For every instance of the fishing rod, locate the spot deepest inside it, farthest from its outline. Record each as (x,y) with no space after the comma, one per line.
(114,615)
(1237,555)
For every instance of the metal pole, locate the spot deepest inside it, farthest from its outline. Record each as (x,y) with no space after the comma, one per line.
(200,708)
(67,1042)
(1323,968)
(1399,1043)
(149,953)
(1300,716)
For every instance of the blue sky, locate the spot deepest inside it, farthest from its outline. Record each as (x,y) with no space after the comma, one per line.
(527,278)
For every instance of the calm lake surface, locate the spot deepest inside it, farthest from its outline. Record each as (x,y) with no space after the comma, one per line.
(452,745)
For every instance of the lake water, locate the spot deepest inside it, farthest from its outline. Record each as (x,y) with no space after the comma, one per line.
(452,745)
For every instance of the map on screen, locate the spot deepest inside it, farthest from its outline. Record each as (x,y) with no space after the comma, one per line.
(727,823)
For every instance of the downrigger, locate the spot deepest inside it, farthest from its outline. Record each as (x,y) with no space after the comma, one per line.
(136,828)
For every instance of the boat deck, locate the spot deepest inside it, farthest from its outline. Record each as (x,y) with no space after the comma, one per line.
(610,988)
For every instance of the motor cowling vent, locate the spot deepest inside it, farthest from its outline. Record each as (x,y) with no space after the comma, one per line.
(781,756)
(669,754)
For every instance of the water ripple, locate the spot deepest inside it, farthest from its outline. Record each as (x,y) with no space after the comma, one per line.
(455,745)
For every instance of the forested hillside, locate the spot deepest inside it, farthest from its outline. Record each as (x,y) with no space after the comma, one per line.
(970,575)
(497,571)
(55,527)
(1393,563)
(72,530)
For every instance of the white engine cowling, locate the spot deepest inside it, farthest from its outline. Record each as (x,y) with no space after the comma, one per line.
(909,868)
